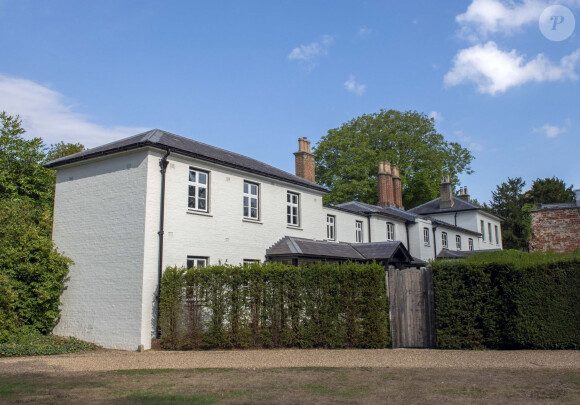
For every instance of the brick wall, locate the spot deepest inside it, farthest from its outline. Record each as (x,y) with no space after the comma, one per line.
(556,229)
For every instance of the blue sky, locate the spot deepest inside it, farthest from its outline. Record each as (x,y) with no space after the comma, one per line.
(252,77)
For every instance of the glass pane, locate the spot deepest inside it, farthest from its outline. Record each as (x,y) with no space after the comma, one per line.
(295,199)
(288,208)
(288,197)
(245,211)
(288,219)
(201,191)
(254,203)
(192,176)
(200,262)
(245,187)
(191,202)
(192,191)
(246,201)
(294,211)
(254,213)
(201,204)
(254,189)
(202,178)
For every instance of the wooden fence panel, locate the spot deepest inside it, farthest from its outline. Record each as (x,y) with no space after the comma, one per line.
(411,307)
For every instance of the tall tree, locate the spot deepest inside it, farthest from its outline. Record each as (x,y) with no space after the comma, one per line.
(347,157)
(507,203)
(549,191)
(61,149)
(21,172)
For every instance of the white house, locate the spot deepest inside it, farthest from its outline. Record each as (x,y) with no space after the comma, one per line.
(126,210)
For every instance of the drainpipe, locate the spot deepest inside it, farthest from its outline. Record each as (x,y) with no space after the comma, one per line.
(407,231)
(369,226)
(163,165)
(434,243)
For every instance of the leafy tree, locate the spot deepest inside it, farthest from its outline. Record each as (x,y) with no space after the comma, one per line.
(21,171)
(347,157)
(62,149)
(507,203)
(32,271)
(549,191)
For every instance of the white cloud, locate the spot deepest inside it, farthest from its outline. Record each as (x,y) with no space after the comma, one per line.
(355,88)
(495,71)
(312,50)
(552,131)
(484,17)
(364,31)
(437,116)
(45,114)
(468,141)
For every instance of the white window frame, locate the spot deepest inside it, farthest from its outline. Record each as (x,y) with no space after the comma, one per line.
(248,262)
(458,242)
(197,190)
(292,209)
(470,243)
(482,225)
(390,231)
(489,232)
(444,240)
(197,261)
(249,197)
(330,227)
(496,234)
(358,232)
(426,237)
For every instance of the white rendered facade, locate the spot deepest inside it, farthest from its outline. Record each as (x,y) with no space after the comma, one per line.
(107,219)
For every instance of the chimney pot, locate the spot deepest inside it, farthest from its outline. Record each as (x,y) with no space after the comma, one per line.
(446,198)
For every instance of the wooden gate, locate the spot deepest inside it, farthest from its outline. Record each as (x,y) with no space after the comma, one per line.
(411,307)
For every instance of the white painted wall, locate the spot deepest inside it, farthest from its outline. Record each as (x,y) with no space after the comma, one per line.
(99,221)
(345,225)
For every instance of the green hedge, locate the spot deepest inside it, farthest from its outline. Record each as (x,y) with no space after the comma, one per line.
(273,305)
(508,300)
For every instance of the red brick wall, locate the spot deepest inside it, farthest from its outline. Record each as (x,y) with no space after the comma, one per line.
(556,229)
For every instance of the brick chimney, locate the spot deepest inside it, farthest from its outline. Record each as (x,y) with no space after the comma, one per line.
(304,160)
(446,200)
(397,190)
(463,194)
(386,196)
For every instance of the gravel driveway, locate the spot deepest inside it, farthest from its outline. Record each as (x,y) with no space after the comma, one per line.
(107,360)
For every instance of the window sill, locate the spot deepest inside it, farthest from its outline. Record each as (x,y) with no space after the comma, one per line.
(203,214)
(294,227)
(252,221)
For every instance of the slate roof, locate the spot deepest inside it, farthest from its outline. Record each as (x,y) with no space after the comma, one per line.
(432,207)
(185,146)
(292,246)
(406,216)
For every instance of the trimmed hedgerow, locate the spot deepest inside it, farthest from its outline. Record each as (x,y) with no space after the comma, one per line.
(508,300)
(35,344)
(272,305)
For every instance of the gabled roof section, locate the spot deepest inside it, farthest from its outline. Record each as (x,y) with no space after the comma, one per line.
(167,141)
(432,207)
(290,246)
(460,254)
(392,212)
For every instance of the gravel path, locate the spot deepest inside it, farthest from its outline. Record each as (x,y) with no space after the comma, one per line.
(107,360)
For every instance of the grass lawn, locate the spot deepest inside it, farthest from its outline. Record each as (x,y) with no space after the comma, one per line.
(296,385)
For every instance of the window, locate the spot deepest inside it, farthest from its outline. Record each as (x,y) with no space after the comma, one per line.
(426,236)
(330,227)
(482,230)
(444,240)
(489,232)
(197,195)
(196,261)
(470,241)
(292,206)
(390,231)
(496,235)
(247,262)
(458,242)
(251,200)
(359,232)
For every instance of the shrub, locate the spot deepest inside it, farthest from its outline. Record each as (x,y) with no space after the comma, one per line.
(508,300)
(35,344)
(274,305)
